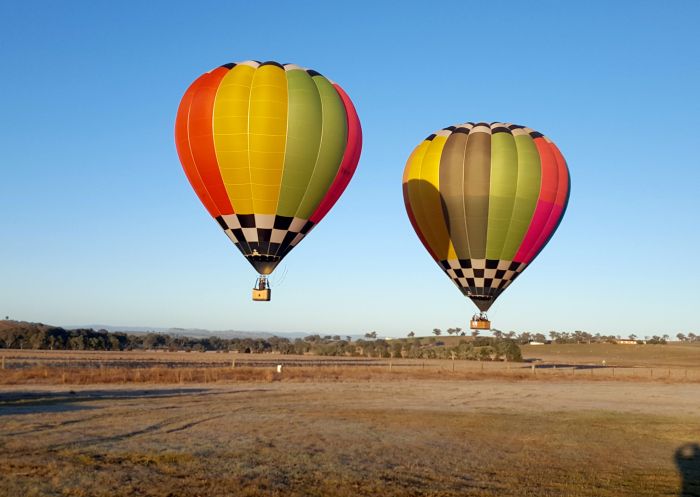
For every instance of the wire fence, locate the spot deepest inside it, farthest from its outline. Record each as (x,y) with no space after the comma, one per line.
(486,368)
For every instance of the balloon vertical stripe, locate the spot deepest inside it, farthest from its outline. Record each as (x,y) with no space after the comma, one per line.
(267,135)
(545,203)
(477,170)
(502,190)
(561,200)
(349,162)
(413,161)
(526,193)
(452,192)
(424,189)
(303,140)
(201,140)
(232,142)
(330,151)
(184,150)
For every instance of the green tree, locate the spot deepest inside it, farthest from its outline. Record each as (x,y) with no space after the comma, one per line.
(77,342)
(510,350)
(153,341)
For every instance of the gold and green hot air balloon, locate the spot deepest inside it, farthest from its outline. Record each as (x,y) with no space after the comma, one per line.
(268,148)
(485,199)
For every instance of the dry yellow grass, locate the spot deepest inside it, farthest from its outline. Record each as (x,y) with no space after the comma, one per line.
(394,427)
(397,371)
(673,355)
(424,437)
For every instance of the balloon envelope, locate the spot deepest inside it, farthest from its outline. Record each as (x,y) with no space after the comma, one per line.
(485,199)
(268,148)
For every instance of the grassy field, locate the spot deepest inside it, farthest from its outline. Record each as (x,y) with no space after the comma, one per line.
(397,428)
(399,438)
(673,362)
(674,355)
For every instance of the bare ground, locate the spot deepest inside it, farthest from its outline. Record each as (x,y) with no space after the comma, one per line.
(400,437)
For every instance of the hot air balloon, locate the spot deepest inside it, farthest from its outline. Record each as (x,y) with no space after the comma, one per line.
(268,148)
(485,199)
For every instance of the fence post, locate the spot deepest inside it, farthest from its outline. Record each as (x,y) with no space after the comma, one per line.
(233,363)
(651,372)
(533,369)
(390,366)
(3,363)
(613,371)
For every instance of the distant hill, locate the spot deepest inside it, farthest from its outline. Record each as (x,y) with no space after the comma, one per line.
(186,332)
(26,335)
(190,332)
(25,326)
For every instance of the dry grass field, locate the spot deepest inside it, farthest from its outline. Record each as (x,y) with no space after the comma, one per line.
(395,428)
(674,354)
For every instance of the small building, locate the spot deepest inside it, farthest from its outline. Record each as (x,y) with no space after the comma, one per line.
(625,341)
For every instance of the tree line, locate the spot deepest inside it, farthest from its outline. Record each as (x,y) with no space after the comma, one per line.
(45,337)
(584,337)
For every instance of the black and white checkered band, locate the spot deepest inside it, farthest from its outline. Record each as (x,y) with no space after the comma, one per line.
(263,237)
(485,278)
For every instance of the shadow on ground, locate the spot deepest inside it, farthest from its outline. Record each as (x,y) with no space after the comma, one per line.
(687,458)
(32,402)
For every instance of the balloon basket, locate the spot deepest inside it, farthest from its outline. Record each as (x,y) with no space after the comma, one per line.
(261,291)
(480,324)
(261,295)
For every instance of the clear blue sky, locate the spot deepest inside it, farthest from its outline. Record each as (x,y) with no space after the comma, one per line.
(99,224)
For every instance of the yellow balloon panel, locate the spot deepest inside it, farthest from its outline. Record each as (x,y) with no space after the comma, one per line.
(230,122)
(268,136)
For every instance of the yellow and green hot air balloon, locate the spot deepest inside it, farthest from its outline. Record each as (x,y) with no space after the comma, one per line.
(268,148)
(485,199)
